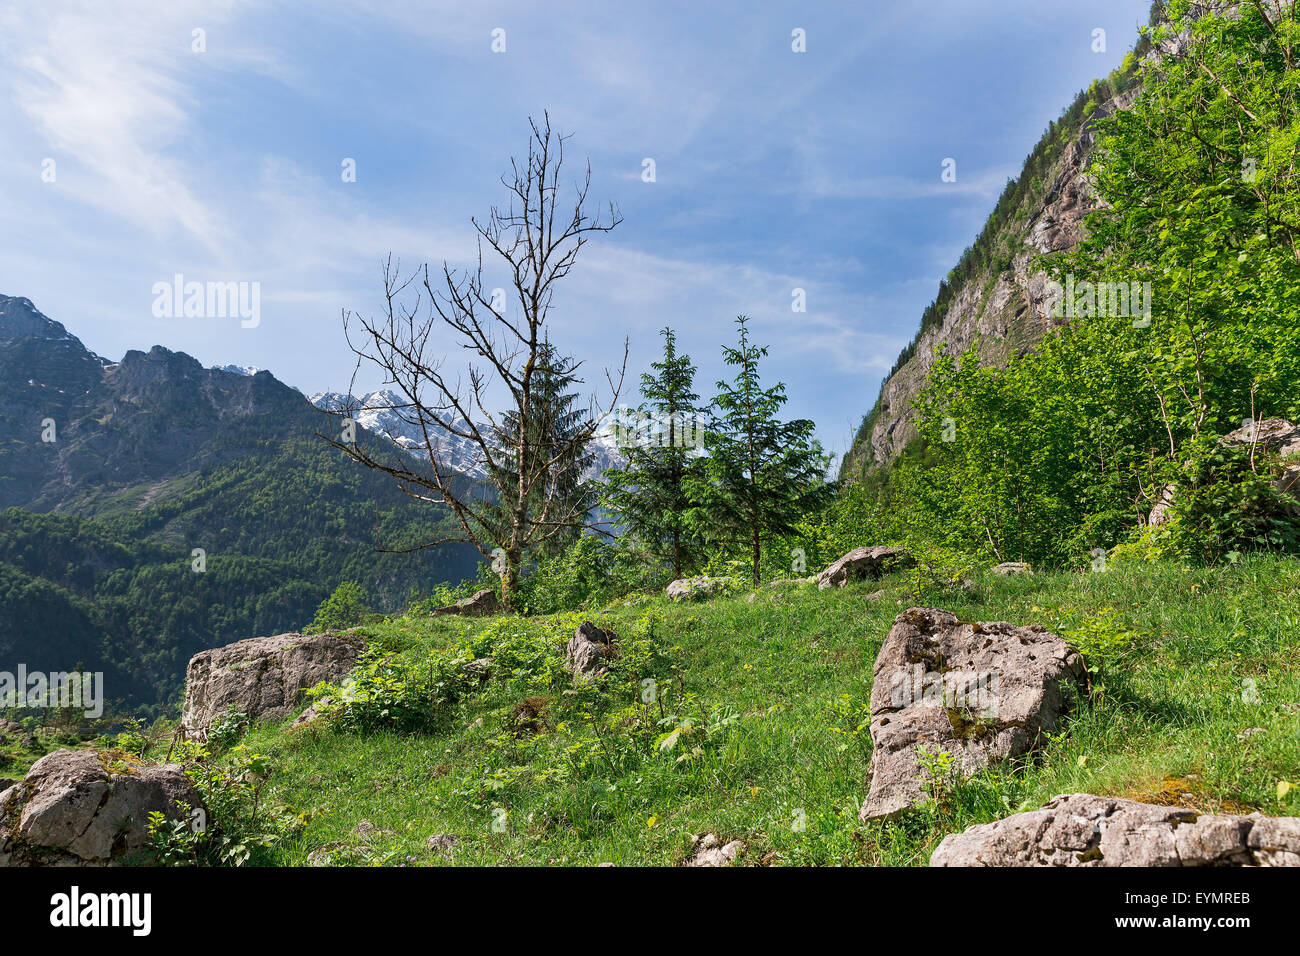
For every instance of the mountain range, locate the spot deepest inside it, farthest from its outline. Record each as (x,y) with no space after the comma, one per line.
(378,413)
(151,507)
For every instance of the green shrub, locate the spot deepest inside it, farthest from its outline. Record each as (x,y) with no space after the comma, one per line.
(347,607)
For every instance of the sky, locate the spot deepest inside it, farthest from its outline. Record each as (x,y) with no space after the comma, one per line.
(141,140)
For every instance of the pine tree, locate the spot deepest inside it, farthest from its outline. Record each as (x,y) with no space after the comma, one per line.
(762,474)
(660,441)
(555,422)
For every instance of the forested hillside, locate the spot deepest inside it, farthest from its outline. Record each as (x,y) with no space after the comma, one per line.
(118,473)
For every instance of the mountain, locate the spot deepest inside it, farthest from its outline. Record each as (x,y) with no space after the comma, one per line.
(246,370)
(118,476)
(995,296)
(379,412)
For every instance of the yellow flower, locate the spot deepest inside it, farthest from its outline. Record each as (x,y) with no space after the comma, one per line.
(654,819)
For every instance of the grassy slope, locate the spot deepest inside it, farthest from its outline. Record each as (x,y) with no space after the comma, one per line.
(1162,725)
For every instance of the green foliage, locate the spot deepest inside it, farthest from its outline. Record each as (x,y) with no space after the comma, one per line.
(1102,638)
(651,496)
(761,474)
(560,493)
(583,575)
(227,729)
(1226,506)
(1066,449)
(237,828)
(384,693)
(347,607)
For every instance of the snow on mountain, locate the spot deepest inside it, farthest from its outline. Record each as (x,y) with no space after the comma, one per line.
(246,370)
(381,412)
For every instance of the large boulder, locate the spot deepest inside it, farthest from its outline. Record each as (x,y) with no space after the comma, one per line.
(588,649)
(478,604)
(863,563)
(693,589)
(1273,435)
(262,677)
(1007,568)
(1083,830)
(982,692)
(86,808)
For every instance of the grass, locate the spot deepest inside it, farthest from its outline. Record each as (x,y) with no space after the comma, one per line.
(771,701)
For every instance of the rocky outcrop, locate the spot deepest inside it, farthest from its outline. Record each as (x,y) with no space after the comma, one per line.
(1007,568)
(262,677)
(1084,830)
(693,589)
(981,692)
(708,850)
(1007,313)
(1268,437)
(478,604)
(588,649)
(85,808)
(1272,435)
(863,563)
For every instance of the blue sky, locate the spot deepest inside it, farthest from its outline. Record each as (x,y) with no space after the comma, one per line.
(775,170)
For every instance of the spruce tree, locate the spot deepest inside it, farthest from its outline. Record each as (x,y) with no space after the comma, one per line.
(762,474)
(660,441)
(555,421)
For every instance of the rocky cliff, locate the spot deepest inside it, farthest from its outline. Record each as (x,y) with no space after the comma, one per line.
(997,296)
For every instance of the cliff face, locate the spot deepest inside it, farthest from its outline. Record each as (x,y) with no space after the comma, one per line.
(1006,311)
(1004,307)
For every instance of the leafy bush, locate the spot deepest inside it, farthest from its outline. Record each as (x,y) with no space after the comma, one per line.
(1225,505)
(237,829)
(347,607)
(388,693)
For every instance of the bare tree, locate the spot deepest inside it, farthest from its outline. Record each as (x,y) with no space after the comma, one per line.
(537,244)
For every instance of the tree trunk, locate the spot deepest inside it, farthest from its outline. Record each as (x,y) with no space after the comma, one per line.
(509,581)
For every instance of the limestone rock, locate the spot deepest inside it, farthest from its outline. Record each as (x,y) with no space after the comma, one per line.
(478,604)
(1163,510)
(588,649)
(982,692)
(311,715)
(480,668)
(708,850)
(84,808)
(263,676)
(1273,435)
(694,589)
(863,563)
(1012,567)
(1085,830)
